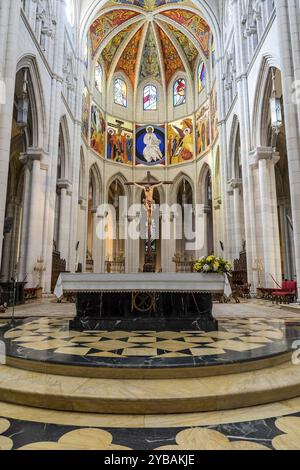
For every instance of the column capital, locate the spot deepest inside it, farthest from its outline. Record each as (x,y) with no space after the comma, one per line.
(235,183)
(64,184)
(263,153)
(31,155)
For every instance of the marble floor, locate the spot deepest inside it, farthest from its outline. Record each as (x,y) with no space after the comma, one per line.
(269,427)
(52,341)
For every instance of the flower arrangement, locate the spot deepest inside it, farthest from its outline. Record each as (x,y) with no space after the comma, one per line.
(212,264)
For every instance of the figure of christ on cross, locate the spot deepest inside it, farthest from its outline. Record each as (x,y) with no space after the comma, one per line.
(148,187)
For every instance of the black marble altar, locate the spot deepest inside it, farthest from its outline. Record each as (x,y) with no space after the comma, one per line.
(144,311)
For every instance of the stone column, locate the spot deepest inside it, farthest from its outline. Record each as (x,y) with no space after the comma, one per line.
(245,130)
(288,28)
(64,220)
(265,159)
(9,21)
(53,139)
(236,185)
(35,220)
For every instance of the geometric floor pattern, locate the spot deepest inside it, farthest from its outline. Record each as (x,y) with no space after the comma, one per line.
(280,433)
(236,336)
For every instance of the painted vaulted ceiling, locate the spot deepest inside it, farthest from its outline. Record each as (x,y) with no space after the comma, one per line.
(150,38)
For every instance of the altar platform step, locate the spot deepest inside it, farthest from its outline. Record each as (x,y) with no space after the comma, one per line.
(117,396)
(173,367)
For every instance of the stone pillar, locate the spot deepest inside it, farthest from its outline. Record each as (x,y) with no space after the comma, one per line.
(265,159)
(33,247)
(288,28)
(64,221)
(9,21)
(236,185)
(245,131)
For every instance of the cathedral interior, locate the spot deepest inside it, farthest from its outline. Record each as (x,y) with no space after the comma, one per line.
(137,137)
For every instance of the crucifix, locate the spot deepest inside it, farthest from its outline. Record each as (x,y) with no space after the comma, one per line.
(148,187)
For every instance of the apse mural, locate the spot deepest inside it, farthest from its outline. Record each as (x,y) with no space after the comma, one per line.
(109,52)
(181,141)
(194,23)
(172,61)
(150,145)
(85,113)
(97,130)
(214,114)
(127,62)
(202,130)
(188,47)
(119,140)
(105,24)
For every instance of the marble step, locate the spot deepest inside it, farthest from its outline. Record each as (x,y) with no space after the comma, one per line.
(147,396)
(152,371)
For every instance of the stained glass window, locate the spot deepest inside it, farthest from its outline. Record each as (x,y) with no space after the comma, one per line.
(201,77)
(121,92)
(179,92)
(150,98)
(98,77)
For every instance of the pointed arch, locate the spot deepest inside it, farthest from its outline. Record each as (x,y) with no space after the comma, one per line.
(37,100)
(268,61)
(96,181)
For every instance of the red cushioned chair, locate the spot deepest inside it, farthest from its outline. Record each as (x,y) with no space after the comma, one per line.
(286,294)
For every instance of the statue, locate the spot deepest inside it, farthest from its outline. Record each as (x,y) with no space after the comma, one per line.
(148,188)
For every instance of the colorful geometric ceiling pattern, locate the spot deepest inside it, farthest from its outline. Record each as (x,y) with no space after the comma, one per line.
(105,24)
(150,60)
(128,60)
(148,5)
(155,35)
(172,60)
(109,52)
(193,23)
(187,46)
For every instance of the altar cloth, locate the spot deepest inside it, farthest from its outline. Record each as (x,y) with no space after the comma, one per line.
(140,282)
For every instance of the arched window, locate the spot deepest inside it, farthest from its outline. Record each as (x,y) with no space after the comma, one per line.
(179,92)
(70,11)
(150,98)
(201,77)
(120,92)
(98,77)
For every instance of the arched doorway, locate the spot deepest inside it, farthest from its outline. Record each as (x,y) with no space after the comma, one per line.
(14,250)
(115,246)
(273,136)
(92,258)
(185,227)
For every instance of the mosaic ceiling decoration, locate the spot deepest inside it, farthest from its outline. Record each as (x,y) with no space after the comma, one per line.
(150,61)
(172,60)
(162,38)
(110,51)
(128,60)
(193,23)
(105,24)
(148,5)
(187,46)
